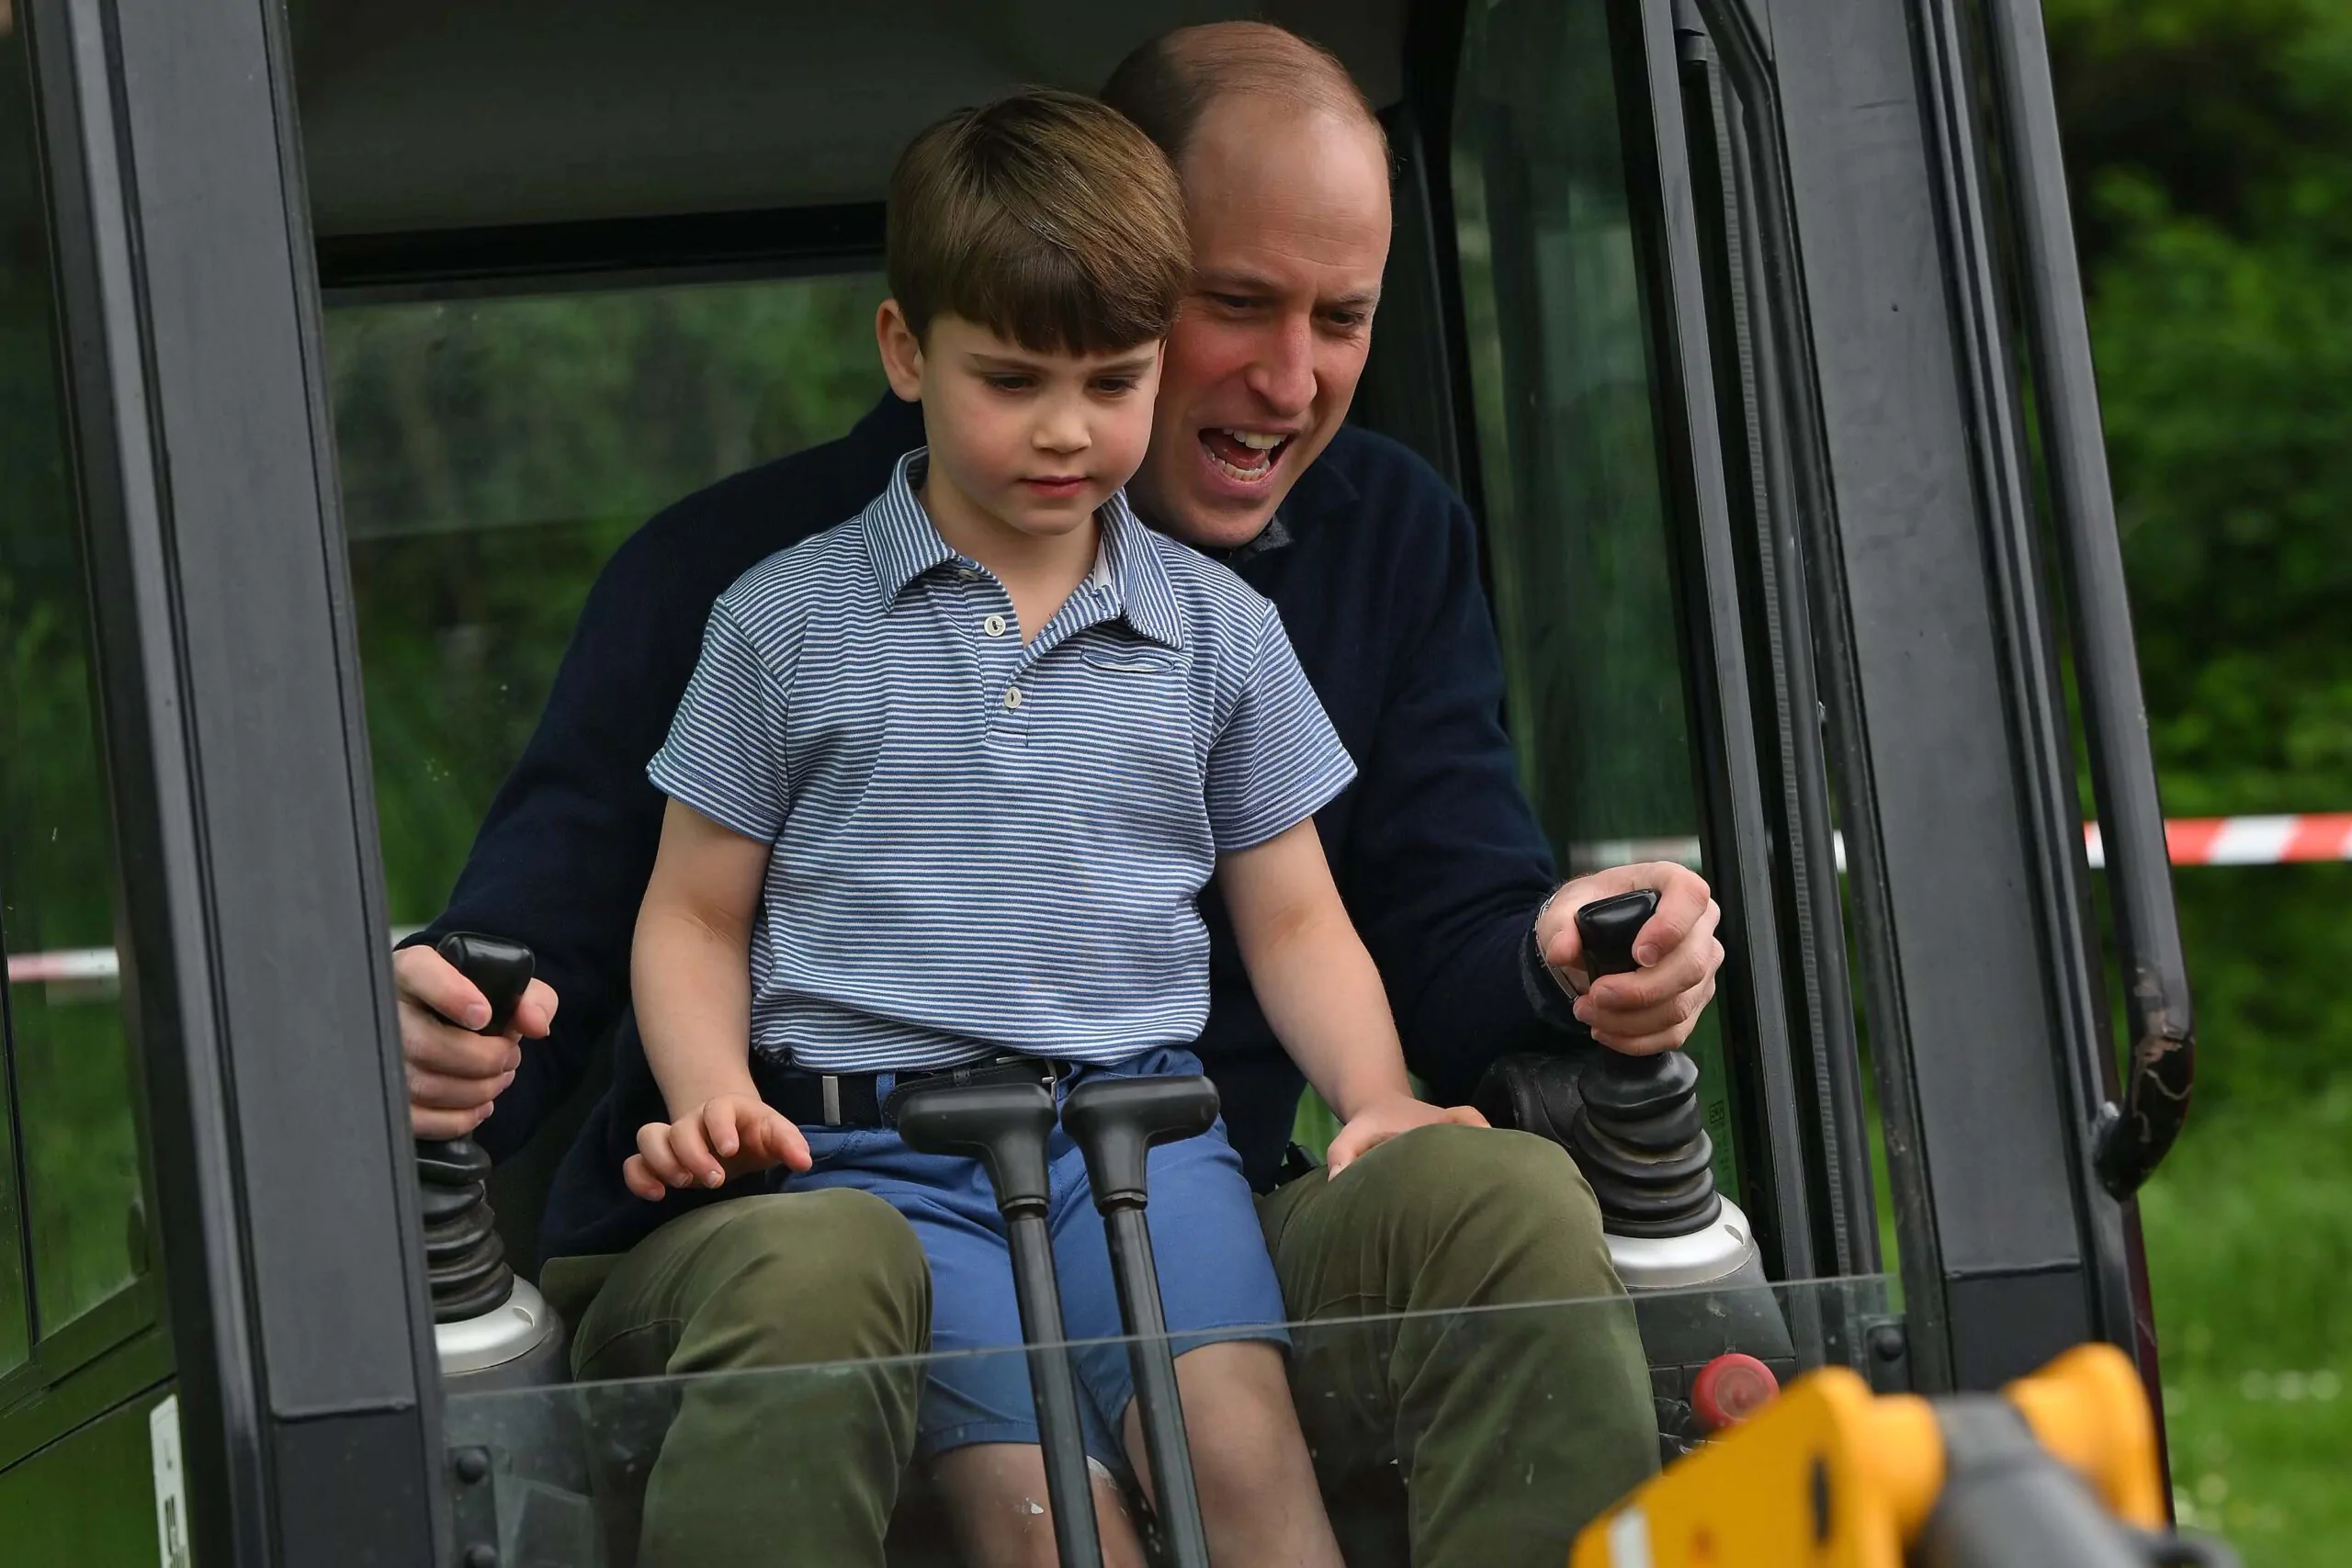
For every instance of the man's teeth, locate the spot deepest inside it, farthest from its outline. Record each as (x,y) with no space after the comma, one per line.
(1257,441)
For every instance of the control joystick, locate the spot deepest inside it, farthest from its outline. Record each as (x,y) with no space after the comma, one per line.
(1638,1137)
(489,1327)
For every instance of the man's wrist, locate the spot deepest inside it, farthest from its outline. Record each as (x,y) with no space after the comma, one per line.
(1550,993)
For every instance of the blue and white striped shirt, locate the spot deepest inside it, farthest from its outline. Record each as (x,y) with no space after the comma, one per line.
(980,845)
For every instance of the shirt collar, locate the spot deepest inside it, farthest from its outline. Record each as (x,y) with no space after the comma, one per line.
(902,545)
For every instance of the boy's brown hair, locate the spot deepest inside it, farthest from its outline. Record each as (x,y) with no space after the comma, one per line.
(1048,219)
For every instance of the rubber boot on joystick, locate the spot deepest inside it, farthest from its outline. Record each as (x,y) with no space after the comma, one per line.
(1639,1139)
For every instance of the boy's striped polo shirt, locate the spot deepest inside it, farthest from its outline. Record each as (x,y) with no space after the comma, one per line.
(980,845)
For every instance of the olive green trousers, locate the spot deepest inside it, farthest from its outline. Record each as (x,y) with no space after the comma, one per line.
(1455,1422)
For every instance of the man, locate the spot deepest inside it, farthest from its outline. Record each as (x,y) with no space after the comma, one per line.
(1509,1430)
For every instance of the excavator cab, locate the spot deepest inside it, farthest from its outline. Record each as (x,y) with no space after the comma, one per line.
(346,339)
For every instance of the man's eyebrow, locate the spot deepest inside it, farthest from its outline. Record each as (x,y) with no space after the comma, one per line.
(1253,284)
(1234,283)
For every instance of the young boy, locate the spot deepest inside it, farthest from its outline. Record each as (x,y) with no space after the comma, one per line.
(946,788)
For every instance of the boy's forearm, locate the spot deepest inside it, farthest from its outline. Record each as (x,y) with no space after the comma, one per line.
(1322,994)
(691,977)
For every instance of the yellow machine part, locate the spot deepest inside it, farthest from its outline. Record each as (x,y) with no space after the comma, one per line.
(1829,1475)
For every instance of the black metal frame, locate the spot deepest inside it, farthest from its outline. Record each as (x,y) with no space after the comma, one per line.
(1712,609)
(257,985)
(1774,438)
(702,247)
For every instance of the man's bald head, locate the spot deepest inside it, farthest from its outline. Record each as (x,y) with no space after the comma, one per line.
(1286,200)
(1167,85)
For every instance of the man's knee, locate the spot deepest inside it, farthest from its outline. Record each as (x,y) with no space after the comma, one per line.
(806,1277)
(1497,1215)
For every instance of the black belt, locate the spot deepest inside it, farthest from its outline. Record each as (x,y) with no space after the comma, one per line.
(850,1099)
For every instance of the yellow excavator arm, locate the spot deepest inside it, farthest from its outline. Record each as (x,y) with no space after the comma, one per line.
(2060,1468)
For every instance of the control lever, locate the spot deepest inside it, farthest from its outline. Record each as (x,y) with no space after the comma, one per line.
(1115,1123)
(1005,1127)
(464,1259)
(1639,1137)
(490,1328)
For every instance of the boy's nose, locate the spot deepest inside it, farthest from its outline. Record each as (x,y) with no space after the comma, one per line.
(1061,429)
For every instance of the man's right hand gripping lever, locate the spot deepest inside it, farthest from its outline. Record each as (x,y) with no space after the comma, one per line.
(455,1075)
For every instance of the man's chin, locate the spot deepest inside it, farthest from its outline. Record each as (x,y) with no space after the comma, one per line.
(1210,515)
(1211,527)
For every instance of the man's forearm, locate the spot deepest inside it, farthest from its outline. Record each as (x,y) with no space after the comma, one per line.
(691,977)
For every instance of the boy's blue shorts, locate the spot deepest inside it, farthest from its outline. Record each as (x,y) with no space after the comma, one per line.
(1215,1275)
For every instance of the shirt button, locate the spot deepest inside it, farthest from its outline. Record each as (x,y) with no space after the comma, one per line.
(1011,698)
(993,625)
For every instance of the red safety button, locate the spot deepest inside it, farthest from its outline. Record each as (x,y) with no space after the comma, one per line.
(1730,1389)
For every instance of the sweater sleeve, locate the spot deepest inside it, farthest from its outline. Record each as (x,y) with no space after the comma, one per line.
(562,859)
(1447,865)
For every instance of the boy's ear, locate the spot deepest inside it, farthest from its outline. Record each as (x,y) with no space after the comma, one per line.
(901,351)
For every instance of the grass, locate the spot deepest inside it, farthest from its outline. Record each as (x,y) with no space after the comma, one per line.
(2249,1231)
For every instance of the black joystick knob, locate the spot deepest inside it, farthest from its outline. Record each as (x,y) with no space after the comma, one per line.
(464,1262)
(1639,1139)
(1115,1123)
(1004,1126)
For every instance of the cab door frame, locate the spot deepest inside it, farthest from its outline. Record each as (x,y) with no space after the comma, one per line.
(257,978)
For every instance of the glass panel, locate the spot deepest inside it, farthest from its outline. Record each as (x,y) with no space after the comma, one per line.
(1568,458)
(68,1055)
(582,1475)
(493,452)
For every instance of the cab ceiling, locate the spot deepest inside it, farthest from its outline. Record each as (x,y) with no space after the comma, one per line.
(441,114)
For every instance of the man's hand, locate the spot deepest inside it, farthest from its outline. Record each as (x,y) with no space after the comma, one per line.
(728,1136)
(455,1075)
(1383,1119)
(1654,1007)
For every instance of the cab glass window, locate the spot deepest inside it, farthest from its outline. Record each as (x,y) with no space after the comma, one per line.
(496,450)
(78,1220)
(1576,520)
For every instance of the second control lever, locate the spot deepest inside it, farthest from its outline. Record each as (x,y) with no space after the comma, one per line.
(1115,1123)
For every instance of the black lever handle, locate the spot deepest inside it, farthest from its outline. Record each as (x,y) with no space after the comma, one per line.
(1115,1123)
(464,1262)
(1005,1127)
(1607,928)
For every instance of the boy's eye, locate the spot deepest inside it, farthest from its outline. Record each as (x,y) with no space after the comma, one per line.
(1114,385)
(1011,383)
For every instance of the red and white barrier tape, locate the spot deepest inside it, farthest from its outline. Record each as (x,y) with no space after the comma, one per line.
(2193,840)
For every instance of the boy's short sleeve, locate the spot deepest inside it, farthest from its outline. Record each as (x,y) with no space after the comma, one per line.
(725,755)
(1276,761)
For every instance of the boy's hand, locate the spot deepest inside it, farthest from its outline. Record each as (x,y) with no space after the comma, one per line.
(1383,1119)
(729,1135)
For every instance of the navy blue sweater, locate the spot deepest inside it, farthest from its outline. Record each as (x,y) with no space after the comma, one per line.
(1374,565)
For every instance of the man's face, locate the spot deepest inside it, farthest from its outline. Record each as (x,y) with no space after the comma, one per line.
(1289,215)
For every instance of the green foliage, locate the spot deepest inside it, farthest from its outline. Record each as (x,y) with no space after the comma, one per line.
(2210,148)
(493,455)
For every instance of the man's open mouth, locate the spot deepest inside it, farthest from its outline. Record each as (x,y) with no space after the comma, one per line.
(1245,454)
